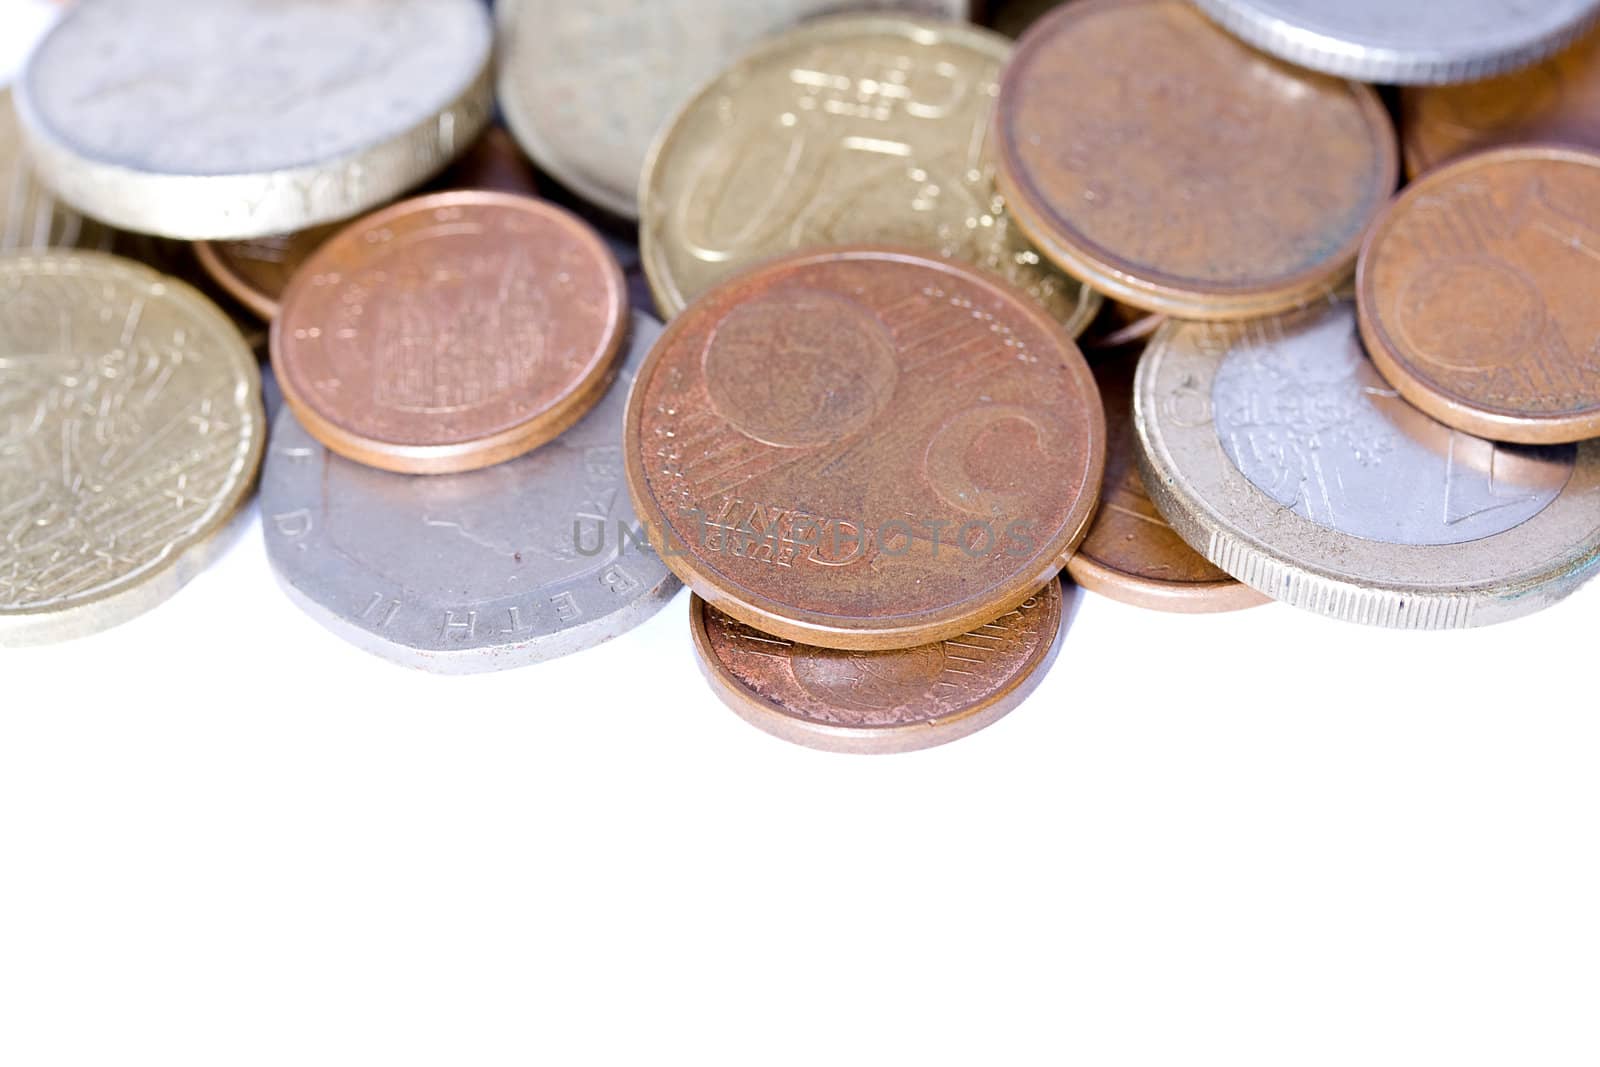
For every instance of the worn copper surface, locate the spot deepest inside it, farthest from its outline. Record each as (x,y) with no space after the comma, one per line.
(879,702)
(1557,100)
(256,273)
(1131,554)
(865,448)
(450,332)
(1173,168)
(1477,294)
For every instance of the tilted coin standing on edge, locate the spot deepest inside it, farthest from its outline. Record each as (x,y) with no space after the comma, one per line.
(525,561)
(856,129)
(879,702)
(237,119)
(1478,294)
(1276,450)
(30,215)
(130,433)
(1131,554)
(450,332)
(1173,168)
(865,448)
(1424,42)
(1557,101)
(586,87)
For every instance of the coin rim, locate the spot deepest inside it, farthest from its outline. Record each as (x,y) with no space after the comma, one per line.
(538,428)
(861,634)
(1216,597)
(220,271)
(767,716)
(1449,407)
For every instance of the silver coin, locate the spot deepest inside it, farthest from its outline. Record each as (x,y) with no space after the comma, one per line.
(1275,449)
(245,118)
(532,559)
(586,86)
(1407,42)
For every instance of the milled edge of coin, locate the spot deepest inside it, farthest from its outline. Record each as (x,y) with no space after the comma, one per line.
(1434,599)
(185,559)
(194,207)
(1173,598)
(1333,55)
(668,297)
(1169,296)
(775,618)
(254,300)
(1453,410)
(458,458)
(768,717)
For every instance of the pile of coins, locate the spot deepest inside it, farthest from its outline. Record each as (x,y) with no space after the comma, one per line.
(867,437)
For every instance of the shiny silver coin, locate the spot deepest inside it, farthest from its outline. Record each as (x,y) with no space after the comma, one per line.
(1407,42)
(236,118)
(1275,449)
(522,562)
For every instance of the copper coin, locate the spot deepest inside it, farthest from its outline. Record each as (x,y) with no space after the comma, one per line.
(1163,162)
(879,702)
(257,272)
(1477,295)
(450,332)
(1555,101)
(1131,554)
(865,448)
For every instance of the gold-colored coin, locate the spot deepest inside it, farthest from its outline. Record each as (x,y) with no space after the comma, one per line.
(847,130)
(131,430)
(30,217)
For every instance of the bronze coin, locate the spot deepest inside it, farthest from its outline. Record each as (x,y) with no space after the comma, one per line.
(879,702)
(257,272)
(1477,294)
(1554,101)
(1175,169)
(1131,554)
(450,332)
(865,448)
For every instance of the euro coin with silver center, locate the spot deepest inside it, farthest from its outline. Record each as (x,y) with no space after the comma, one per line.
(525,561)
(130,433)
(1278,452)
(858,129)
(239,119)
(880,702)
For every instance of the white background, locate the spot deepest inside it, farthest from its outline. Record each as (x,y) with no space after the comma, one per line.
(228,838)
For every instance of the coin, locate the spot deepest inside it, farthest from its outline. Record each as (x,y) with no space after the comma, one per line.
(1169,166)
(865,448)
(450,332)
(858,129)
(585,87)
(1275,449)
(1477,293)
(30,216)
(1428,43)
(528,560)
(257,272)
(130,433)
(1131,554)
(238,119)
(879,702)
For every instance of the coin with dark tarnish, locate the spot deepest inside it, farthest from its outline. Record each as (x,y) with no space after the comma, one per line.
(1131,554)
(1557,101)
(528,560)
(257,272)
(879,702)
(585,87)
(865,448)
(450,332)
(130,433)
(30,215)
(859,129)
(1477,292)
(1166,164)
(1426,42)
(1275,448)
(235,119)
